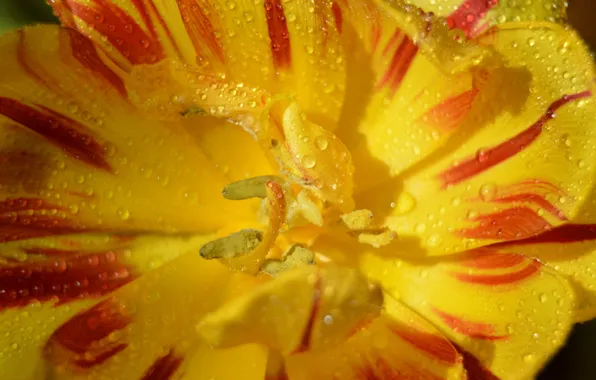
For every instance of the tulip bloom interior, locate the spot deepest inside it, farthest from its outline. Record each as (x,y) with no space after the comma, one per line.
(295,189)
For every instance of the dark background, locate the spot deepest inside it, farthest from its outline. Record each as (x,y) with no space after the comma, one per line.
(577,360)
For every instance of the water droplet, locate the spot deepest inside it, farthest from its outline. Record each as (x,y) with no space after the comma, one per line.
(123,213)
(321,142)
(487,191)
(420,228)
(328,319)
(434,240)
(531,42)
(528,358)
(405,203)
(542,298)
(309,161)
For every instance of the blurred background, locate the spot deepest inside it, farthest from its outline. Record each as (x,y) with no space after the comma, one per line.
(577,361)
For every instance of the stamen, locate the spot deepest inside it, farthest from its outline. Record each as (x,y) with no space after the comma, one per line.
(358,220)
(253,261)
(377,240)
(296,257)
(228,247)
(249,188)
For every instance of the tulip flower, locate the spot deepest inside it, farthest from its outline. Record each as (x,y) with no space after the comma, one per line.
(295,189)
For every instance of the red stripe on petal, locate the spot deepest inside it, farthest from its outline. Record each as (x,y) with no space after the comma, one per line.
(164,368)
(85,52)
(120,29)
(488,158)
(308,330)
(449,114)
(278,34)
(436,346)
(63,279)
(24,218)
(475,330)
(88,339)
(509,224)
(400,64)
(484,258)
(71,136)
(200,28)
(337,16)
(499,279)
(467,16)
(533,198)
(568,233)
(474,369)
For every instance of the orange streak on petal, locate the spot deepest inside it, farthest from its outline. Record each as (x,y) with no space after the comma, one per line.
(84,340)
(200,27)
(488,158)
(120,29)
(66,133)
(399,65)
(164,367)
(449,114)
(476,330)
(436,346)
(86,53)
(512,223)
(63,279)
(484,258)
(467,16)
(278,34)
(532,198)
(337,16)
(474,369)
(499,279)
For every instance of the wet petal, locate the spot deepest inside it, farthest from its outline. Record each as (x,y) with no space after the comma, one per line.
(147,328)
(507,314)
(521,164)
(76,156)
(45,282)
(569,249)
(278,46)
(410,85)
(400,344)
(291,314)
(478,16)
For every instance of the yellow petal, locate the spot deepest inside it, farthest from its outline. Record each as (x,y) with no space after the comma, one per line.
(405,91)
(521,163)
(399,345)
(148,327)
(569,249)
(477,16)
(301,310)
(77,156)
(507,314)
(45,282)
(282,47)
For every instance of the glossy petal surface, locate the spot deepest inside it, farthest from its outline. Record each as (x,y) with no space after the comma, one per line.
(77,156)
(281,47)
(521,313)
(521,164)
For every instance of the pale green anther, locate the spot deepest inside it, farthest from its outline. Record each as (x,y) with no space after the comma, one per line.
(236,244)
(249,188)
(192,111)
(296,257)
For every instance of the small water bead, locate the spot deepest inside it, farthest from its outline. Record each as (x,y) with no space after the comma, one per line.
(321,142)
(488,191)
(309,161)
(123,213)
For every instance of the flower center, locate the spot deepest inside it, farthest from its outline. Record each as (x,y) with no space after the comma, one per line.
(314,195)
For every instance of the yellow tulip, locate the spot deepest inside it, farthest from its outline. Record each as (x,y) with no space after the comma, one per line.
(295,189)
